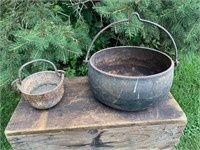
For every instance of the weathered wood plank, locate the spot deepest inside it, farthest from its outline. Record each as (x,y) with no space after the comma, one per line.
(134,137)
(70,124)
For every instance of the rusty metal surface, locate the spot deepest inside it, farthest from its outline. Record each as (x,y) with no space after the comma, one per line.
(131,61)
(134,88)
(43,89)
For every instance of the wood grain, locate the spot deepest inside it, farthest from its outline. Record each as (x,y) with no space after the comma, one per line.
(81,122)
(129,138)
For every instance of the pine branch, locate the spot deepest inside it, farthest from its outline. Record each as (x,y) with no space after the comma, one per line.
(76,40)
(71,51)
(192,28)
(15,48)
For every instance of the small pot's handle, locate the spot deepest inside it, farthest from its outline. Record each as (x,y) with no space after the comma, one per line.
(176,62)
(19,79)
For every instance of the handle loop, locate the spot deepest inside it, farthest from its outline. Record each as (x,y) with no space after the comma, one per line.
(30,62)
(176,62)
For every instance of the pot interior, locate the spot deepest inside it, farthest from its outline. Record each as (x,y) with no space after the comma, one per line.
(131,61)
(40,82)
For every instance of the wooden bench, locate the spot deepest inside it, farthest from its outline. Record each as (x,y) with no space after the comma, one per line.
(81,122)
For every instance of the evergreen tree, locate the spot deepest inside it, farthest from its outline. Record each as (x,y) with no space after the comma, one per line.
(180,18)
(31,30)
(61,31)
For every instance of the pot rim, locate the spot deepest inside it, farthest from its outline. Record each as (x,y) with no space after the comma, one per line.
(132,77)
(47,92)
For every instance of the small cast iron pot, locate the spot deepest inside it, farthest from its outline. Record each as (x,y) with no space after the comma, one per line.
(130,78)
(43,89)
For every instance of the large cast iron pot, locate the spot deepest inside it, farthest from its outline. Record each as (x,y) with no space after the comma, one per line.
(130,78)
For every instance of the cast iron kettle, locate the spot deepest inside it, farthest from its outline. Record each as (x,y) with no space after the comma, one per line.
(130,78)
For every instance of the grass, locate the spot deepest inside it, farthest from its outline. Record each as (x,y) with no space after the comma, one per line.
(9,100)
(185,89)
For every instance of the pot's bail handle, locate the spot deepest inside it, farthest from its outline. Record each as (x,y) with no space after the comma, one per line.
(176,62)
(19,79)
